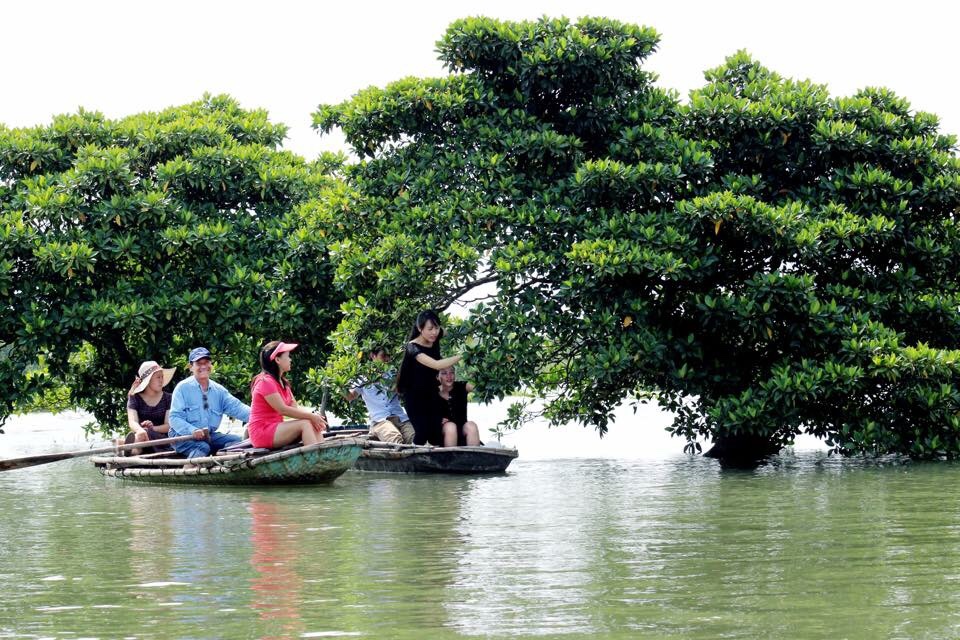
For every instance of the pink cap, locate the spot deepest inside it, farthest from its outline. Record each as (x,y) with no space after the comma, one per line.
(283,347)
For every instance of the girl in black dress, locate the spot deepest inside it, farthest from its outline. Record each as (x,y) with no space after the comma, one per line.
(417,382)
(453,397)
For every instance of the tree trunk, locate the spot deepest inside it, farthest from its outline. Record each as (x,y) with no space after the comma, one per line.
(741,451)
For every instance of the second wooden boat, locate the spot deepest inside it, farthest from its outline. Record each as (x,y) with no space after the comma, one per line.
(400,458)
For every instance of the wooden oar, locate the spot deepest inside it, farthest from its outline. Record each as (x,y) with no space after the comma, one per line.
(29,461)
(349,433)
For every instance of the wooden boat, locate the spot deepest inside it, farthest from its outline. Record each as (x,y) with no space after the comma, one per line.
(321,462)
(406,458)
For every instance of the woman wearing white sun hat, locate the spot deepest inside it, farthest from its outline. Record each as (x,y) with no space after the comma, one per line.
(148,405)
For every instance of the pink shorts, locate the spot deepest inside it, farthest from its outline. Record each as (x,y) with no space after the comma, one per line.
(261,435)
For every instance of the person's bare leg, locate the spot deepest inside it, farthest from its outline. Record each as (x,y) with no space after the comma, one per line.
(292,430)
(472,433)
(449,434)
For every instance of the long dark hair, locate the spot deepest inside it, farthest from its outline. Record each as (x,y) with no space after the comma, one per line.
(418,324)
(270,367)
(421,321)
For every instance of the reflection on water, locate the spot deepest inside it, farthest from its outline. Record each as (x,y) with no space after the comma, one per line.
(673,547)
(277,586)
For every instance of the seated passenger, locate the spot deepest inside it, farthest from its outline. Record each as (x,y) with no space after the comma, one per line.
(199,403)
(388,420)
(272,399)
(148,407)
(457,430)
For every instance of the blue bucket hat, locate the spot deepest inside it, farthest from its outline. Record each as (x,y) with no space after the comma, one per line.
(196,354)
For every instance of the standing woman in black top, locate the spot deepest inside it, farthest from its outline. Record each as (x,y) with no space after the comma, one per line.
(417,381)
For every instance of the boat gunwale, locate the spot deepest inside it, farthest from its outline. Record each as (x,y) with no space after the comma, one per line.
(411,450)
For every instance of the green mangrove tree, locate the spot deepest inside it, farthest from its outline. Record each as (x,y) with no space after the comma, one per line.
(763,261)
(140,238)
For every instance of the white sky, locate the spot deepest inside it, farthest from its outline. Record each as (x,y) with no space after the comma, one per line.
(126,57)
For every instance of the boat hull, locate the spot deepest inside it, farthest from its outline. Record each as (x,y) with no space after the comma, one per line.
(411,459)
(318,463)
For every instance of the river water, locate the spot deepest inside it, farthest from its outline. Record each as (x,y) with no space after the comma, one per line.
(632,541)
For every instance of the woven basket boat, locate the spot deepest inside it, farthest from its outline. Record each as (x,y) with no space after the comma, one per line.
(321,462)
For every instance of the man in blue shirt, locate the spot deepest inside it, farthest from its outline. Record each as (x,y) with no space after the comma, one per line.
(199,403)
(388,420)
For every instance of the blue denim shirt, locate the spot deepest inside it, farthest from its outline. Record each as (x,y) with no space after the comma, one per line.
(381,402)
(187,413)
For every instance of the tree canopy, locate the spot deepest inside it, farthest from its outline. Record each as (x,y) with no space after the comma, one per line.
(136,239)
(763,261)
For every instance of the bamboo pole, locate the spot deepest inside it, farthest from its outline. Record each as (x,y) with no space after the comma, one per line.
(44,458)
(140,461)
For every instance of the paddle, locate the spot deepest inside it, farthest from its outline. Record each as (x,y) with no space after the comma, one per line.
(29,461)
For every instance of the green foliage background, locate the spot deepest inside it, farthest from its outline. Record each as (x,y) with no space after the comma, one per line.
(122,241)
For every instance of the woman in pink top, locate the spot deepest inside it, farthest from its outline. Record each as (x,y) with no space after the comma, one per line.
(272,399)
